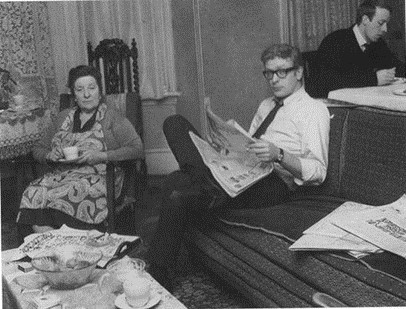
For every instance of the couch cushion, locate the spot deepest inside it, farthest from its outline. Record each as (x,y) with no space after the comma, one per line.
(263,269)
(289,219)
(374,160)
(331,186)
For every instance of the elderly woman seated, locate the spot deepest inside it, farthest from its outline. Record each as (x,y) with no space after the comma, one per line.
(75,192)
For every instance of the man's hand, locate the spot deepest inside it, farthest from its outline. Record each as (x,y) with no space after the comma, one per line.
(385,76)
(265,151)
(92,157)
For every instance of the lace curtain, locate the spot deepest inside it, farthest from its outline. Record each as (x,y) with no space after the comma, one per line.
(305,23)
(26,50)
(74,23)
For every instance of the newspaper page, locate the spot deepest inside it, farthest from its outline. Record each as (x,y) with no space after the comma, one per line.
(348,242)
(383,226)
(329,233)
(65,236)
(235,172)
(227,138)
(324,235)
(225,153)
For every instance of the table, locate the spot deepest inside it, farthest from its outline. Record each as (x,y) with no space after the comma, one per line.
(20,130)
(380,96)
(100,293)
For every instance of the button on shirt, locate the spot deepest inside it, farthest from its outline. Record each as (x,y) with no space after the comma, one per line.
(300,127)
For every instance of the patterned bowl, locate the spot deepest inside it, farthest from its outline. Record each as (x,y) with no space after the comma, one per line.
(67,271)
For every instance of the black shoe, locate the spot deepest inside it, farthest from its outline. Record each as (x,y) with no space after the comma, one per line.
(161,274)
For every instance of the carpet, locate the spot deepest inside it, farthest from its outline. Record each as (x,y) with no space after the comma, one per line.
(198,290)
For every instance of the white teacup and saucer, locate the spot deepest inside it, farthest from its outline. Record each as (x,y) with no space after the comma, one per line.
(137,294)
(122,303)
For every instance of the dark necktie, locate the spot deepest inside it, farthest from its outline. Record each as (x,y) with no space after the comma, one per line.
(267,121)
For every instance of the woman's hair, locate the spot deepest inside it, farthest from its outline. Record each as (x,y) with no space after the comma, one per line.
(368,8)
(81,71)
(284,51)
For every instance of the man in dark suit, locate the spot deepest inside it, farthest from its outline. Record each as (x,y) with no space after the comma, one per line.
(358,56)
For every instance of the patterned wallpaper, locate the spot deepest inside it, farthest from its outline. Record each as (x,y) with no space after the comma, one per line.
(26,51)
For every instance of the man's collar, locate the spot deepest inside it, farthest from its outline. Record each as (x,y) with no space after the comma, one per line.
(292,97)
(360,38)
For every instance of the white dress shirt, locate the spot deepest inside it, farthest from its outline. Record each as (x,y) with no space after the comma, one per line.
(360,39)
(301,127)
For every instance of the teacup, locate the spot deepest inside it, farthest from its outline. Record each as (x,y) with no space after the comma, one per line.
(137,291)
(127,268)
(71,153)
(18,101)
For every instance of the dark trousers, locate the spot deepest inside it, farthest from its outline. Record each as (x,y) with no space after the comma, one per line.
(180,210)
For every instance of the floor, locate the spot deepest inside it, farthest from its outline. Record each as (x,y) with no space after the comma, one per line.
(194,287)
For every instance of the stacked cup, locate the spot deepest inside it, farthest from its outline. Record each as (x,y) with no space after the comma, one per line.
(137,287)
(71,153)
(137,291)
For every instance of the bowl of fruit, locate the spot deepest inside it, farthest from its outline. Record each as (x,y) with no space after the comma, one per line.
(67,268)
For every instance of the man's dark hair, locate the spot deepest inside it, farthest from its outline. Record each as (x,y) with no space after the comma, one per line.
(283,51)
(80,71)
(368,8)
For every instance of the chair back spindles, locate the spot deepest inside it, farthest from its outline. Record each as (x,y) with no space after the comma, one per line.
(119,65)
(134,53)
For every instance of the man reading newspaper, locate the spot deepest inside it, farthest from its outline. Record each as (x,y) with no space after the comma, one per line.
(290,130)
(226,153)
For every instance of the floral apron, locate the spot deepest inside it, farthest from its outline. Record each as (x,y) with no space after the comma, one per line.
(77,190)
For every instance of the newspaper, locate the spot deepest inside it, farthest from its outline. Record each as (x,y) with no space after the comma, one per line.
(65,236)
(359,229)
(383,226)
(325,235)
(225,154)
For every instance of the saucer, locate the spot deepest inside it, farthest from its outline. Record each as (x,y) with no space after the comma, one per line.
(399,92)
(68,161)
(121,303)
(398,80)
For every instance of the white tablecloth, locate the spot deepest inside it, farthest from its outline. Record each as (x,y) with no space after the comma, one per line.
(381,96)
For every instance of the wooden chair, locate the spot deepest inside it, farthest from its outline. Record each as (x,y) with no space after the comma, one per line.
(118,65)
(135,172)
(135,180)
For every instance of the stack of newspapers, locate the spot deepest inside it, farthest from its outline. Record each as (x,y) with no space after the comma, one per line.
(225,153)
(359,229)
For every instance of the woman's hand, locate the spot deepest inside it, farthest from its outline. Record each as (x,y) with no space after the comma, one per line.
(92,157)
(55,154)
(265,151)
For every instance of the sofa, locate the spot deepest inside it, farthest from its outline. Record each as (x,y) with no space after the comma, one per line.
(249,248)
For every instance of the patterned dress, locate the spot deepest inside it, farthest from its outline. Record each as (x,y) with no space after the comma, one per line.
(76,190)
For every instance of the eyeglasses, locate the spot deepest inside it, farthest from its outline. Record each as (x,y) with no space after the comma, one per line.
(281,73)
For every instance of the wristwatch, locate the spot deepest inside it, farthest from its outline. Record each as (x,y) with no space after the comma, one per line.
(280,156)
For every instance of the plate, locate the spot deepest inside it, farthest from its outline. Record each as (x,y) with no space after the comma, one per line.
(121,303)
(398,80)
(68,161)
(400,92)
